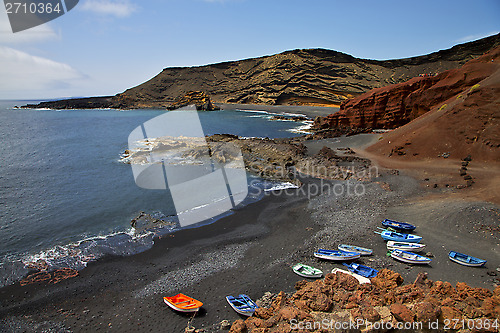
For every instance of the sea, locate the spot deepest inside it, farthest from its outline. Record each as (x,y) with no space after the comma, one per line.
(66,199)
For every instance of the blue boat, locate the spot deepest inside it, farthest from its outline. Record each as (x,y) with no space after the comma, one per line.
(242,304)
(336,255)
(465,260)
(352,248)
(403,226)
(399,237)
(362,270)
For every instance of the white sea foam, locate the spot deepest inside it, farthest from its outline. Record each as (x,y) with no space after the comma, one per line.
(304,128)
(281,186)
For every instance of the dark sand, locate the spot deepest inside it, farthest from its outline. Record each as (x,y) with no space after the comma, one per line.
(251,252)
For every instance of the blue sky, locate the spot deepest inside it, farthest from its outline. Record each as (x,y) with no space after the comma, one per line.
(103,47)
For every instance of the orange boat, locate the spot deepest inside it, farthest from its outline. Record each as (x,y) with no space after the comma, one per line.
(183,303)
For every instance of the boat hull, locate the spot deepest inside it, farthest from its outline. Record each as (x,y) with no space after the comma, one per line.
(247,313)
(418,260)
(176,308)
(398,225)
(409,247)
(396,237)
(475,263)
(306,275)
(362,270)
(336,257)
(361,279)
(361,250)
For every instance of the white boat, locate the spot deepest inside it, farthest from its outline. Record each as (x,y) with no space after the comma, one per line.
(361,279)
(352,248)
(307,271)
(409,257)
(405,246)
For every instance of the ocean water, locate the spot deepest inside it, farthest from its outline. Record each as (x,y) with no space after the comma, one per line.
(65,197)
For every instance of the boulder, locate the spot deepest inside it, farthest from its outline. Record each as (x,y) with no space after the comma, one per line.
(387,279)
(402,313)
(426,312)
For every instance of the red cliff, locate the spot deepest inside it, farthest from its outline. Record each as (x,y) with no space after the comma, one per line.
(395,105)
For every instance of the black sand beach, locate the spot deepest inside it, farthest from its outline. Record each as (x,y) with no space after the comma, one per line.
(251,252)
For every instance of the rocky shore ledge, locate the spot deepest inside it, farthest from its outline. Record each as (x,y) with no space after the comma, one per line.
(274,159)
(338,303)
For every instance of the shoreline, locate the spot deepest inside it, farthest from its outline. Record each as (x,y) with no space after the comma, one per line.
(308,111)
(251,252)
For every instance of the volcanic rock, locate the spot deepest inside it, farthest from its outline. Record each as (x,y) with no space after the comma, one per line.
(198,98)
(298,77)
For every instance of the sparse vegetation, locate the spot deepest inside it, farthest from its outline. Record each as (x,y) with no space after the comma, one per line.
(474,87)
(459,96)
(443,107)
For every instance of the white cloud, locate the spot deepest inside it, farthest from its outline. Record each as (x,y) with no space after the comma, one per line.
(118,8)
(27,76)
(471,38)
(37,34)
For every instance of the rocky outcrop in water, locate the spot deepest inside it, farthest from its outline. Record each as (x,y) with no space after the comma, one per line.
(198,98)
(338,300)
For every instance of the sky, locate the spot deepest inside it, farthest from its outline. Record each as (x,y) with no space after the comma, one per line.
(103,47)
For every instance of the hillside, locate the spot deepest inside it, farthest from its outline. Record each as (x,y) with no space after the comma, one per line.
(464,117)
(298,77)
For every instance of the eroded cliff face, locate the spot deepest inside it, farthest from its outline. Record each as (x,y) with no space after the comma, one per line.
(396,105)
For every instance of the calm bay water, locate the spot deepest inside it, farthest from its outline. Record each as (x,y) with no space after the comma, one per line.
(61,181)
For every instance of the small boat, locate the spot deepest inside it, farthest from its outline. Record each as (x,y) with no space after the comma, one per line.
(362,270)
(465,260)
(307,271)
(399,237)
(409,257)
(183,303)
(336,255)
(403,226)
(361,279)
(405,246)
(351,248)
(242,304)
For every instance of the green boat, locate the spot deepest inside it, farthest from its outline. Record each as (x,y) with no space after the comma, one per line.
(307,271)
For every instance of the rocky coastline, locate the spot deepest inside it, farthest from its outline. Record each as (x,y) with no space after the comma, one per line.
(338,303)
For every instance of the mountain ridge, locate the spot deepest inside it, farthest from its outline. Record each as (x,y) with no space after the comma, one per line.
(318,77)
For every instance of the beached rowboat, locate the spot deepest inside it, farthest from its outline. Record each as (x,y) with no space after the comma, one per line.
(398,225)
(409,257)
(183,303)
(405,246)
(361,279)
(307,271)
(351,248)
(465,260)
(242,304)
(336,255)
(399,237)
(362,270)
